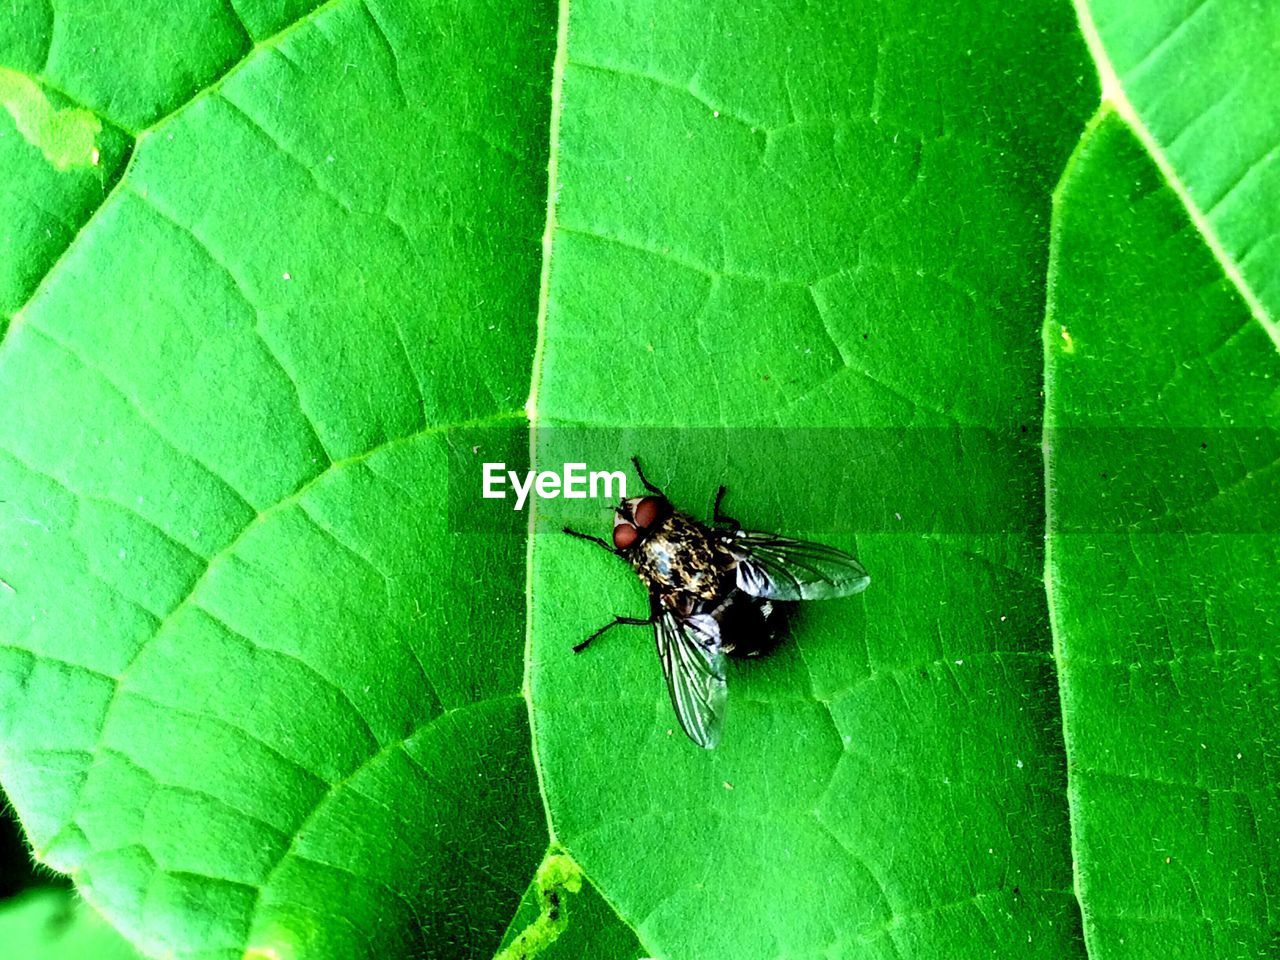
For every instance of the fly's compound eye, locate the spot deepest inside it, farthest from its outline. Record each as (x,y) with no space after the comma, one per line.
(647,512)
(624,535)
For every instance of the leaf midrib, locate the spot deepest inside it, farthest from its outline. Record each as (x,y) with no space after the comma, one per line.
(1115,95)
(558,65)
(1046,447)
(531,405)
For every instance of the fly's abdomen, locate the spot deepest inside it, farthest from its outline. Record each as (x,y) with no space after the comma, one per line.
(750,626)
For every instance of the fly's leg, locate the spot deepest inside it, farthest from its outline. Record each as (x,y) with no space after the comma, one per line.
(615,622)
(635,462)
(590,539)
(719,517)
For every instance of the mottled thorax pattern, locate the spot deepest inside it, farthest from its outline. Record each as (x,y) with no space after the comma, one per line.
(683,560)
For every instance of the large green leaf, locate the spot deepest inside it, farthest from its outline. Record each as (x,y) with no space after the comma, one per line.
(266,692)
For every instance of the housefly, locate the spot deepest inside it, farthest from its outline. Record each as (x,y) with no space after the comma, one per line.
(714,591)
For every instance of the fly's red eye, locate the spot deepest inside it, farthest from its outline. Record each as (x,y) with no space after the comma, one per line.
(624,535)
(647,512)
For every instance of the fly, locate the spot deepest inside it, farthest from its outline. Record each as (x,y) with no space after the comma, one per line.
(714,591)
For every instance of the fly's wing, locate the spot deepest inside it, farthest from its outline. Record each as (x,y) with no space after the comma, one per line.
(781,569)
(689,648)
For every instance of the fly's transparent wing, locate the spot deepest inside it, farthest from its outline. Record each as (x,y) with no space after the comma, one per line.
(782,569)
(689,648)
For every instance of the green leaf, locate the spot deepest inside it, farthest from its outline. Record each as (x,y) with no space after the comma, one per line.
(1164,601)
(273,684)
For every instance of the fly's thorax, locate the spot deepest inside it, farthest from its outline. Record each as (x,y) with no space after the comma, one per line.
(683,557)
